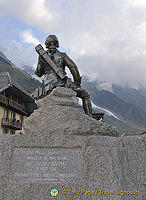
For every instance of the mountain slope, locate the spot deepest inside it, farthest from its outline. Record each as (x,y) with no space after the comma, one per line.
(123,127)
(111,119)
(28,69)
(2,55)
(143,91)
(109,100)
(128,112)
(22,77)
(130,95)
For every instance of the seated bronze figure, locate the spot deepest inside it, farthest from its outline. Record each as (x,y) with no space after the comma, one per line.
(51,64)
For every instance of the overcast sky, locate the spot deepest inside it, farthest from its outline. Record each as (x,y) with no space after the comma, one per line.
(105,38)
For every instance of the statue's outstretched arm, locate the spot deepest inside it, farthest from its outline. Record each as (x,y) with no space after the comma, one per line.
(73,69)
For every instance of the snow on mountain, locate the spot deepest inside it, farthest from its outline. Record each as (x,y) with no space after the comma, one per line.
(105,86)
(99,108)
(30,70)
(2,55)
(104,110)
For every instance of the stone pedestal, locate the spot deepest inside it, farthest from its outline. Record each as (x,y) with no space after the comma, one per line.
(71,152)
(80,167)
(58,112)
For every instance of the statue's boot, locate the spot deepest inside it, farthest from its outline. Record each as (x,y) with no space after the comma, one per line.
(87,106)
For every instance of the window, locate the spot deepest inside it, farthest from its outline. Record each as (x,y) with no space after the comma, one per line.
(5,131)
(6,114)
(12,132)
(13,115)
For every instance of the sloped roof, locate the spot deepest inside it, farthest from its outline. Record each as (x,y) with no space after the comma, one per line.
(6,81)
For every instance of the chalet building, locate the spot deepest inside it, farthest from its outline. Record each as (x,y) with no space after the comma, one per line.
(15,105)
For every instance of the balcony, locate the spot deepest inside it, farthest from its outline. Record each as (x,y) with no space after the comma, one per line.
(12,104)
(9,123)
(4,99)
(17,106)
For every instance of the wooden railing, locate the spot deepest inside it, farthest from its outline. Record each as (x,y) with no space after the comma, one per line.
(4,99)
(9,102)
(17,105)
(9,123)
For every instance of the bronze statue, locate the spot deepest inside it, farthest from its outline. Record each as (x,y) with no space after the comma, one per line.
(51,64)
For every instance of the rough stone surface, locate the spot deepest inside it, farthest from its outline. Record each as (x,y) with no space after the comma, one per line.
(58,112)
(65,149)
(105,163)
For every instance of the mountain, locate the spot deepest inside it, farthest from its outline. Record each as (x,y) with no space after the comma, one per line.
(2,55)
(105,86)
(123,127)
(143,91)
(127,112)
(125,107)
(21,76)
(130,95)
(111,119)
(30,70)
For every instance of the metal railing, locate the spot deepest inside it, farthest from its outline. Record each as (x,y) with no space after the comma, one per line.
(9,123)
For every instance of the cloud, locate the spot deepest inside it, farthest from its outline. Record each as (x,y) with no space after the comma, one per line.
(2,48)
(32,12)
(107,41)
(127,72)
(139,2)
(28,37)
(21,55)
